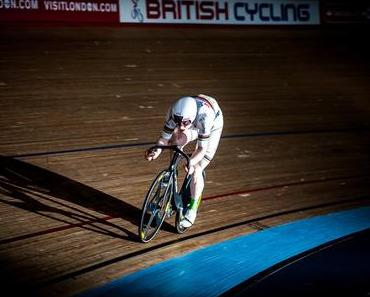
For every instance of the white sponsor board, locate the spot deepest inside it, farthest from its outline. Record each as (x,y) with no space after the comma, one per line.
(222,12)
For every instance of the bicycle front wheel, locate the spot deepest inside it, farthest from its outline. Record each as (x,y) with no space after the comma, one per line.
(155,206)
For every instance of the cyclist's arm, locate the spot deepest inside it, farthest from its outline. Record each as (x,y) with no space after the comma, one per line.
(197,155)
(163,141)
(156,152)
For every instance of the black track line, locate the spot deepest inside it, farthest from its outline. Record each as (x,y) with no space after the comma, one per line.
(231,136)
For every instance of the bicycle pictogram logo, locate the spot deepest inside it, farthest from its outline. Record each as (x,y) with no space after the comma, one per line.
(136,11)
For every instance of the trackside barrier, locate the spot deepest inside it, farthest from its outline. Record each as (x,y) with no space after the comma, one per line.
(210,12)
(215,12)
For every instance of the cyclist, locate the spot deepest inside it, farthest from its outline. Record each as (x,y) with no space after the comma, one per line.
(192,118)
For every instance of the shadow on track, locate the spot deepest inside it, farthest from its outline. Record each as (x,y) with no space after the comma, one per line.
(44,192)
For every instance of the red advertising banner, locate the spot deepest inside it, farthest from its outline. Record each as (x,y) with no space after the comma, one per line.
(103,11)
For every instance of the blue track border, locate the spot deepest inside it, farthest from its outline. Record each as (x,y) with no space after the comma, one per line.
(214,270)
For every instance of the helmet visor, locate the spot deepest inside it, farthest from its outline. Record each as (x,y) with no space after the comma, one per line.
(181,121)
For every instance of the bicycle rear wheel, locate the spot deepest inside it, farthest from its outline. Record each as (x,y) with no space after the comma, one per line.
(155,206)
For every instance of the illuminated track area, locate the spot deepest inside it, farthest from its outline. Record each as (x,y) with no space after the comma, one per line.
(229,267)
(168,243)
(77,118)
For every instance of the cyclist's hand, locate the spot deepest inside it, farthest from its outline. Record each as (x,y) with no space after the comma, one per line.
(152,154)
(189,170)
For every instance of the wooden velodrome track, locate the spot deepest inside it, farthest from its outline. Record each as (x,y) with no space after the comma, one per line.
(79,105)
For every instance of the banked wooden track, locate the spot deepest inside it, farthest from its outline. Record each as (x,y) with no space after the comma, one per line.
(79,105)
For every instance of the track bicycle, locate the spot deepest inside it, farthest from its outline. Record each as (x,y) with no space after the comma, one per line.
(163,199)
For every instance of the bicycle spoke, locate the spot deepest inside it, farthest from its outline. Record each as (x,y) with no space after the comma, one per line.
(148,225)
(158,191)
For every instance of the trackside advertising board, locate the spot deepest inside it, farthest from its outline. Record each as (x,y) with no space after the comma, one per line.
(218,12)
(222,12)
(106,11)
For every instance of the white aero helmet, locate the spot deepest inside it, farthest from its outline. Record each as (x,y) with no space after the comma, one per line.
(184,110)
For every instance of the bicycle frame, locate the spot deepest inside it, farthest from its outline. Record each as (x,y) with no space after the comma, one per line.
(173,168)
(174,202)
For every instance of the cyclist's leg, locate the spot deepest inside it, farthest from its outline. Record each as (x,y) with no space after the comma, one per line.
(197,182)
(196,190)
(197,185)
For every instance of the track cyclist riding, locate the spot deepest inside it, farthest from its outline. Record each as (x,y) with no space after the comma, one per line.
(192,118)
